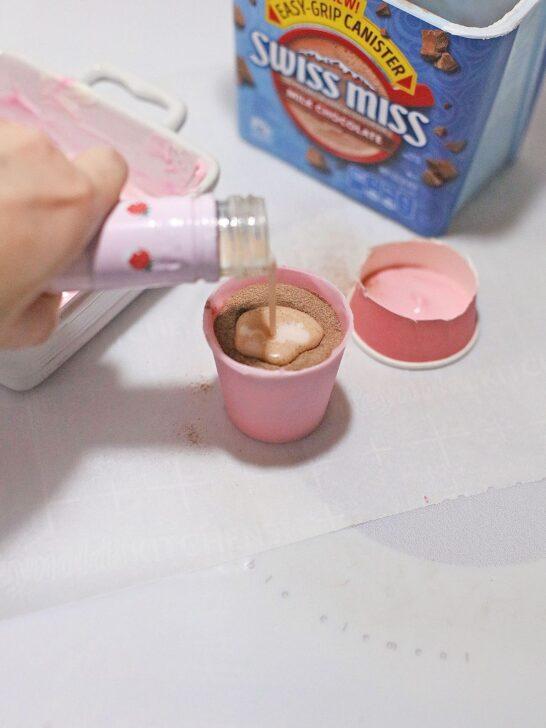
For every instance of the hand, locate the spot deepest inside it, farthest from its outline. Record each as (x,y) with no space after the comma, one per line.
(50,209)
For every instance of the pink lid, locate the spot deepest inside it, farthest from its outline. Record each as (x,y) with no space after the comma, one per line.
(415,304)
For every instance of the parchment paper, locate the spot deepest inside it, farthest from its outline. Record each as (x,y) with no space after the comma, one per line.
(123,468)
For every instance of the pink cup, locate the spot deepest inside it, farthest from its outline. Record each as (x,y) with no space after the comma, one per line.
(277,406)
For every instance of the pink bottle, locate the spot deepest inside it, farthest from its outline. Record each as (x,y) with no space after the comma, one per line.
(167,241)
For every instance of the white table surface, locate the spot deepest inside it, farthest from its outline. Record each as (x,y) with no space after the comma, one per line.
(429,618)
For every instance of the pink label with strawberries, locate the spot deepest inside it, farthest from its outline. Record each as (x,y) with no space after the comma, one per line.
(153,243)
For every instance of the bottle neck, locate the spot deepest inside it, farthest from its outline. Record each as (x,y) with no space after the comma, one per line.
(243,237)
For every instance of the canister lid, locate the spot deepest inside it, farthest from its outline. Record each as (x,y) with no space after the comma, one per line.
(415,304)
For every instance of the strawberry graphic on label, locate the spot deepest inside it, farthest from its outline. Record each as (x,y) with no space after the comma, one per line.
(141,260)
(138,208)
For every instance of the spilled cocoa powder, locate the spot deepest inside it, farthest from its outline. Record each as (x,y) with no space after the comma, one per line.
(193,436)
(255,296)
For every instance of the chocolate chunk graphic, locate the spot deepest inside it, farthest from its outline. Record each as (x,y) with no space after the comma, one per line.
(431,179)
(440,131)
(244,76)
(456,147)
(317,159)
(383,10)
(385,33)
(240,20)
(448,105)
(439,172)
(443,168)
(447,63)
(434,44)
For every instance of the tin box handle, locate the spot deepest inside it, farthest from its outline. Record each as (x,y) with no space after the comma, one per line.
(176,110)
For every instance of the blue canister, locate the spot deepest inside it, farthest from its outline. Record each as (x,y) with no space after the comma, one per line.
(406,111)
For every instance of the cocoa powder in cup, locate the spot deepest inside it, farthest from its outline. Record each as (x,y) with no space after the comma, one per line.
(255,296)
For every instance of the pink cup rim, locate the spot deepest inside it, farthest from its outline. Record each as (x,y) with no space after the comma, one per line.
(208,325)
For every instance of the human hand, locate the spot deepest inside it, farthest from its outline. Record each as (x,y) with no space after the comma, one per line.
(50,209)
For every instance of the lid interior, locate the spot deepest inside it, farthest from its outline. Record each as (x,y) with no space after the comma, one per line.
(421,280)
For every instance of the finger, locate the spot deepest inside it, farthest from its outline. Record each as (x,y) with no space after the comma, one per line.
(104,172)
(35,325)
(107,171)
